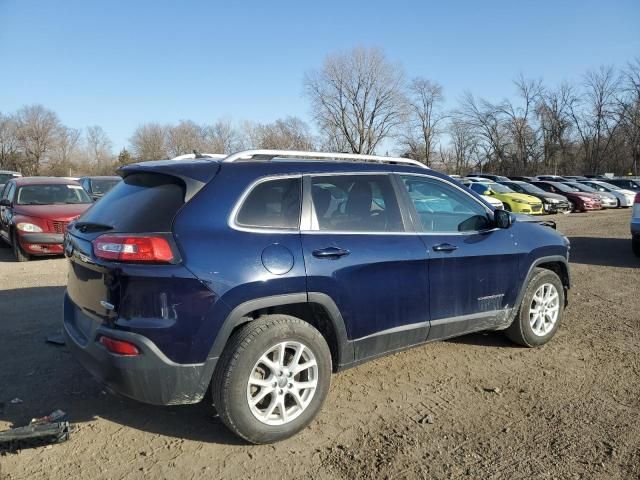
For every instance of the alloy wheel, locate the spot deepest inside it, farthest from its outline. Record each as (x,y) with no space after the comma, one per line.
(544,309)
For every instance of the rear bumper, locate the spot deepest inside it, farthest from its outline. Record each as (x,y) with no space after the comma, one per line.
(149,377)
(635,227)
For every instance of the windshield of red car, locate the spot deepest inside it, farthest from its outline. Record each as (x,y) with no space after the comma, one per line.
(54,194)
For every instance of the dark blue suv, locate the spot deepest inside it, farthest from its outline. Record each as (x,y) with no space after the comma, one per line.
(259,275)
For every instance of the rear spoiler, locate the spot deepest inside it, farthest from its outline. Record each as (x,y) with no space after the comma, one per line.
(195,174)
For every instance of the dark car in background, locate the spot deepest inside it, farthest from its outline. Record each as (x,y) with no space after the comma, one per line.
(97,186)
(495,178)
(552,178)
(580,201)
(551,202)
(520,178)
(257,276)
(625,183)
(5,176)
(35,211)
(606,199)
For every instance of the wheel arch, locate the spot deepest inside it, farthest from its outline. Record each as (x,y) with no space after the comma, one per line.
(557,264)
(315,308)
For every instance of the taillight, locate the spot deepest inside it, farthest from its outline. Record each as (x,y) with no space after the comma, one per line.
(133,248)
(119,347)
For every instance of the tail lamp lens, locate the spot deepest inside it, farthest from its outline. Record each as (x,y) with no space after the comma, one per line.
(119,347)
(133,248)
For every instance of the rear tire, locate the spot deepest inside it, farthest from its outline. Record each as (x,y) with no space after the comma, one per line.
(541,310)
(262,371)
(635,246)
(18,253)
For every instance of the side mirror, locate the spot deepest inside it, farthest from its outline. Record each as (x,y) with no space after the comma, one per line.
(5,202)
(501,218)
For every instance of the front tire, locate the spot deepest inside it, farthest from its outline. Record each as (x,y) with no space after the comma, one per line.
(18,253)
(272,378)
(635,246)
(541,310)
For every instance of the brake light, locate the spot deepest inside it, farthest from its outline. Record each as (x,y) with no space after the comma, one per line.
(133,248)
(119,347)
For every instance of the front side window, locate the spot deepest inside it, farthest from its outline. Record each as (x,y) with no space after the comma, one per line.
(272,204)
(442,208)
(355,203)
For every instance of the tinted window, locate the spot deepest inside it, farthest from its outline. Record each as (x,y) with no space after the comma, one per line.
(443,208)
(355,203)
(55,194)
(272,204)
(142,202)
(103,185)
(9,191)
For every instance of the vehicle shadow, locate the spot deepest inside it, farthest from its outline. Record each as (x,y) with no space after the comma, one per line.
(485,339)
(45,377)
(6,255)
(607,252)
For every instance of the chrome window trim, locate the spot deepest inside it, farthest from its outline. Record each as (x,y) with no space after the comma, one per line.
(240,202)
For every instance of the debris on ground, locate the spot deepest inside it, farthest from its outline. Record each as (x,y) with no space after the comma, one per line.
(15,401)
(491,389)
(33,436)
(427,419)
(52,417)
(56,339)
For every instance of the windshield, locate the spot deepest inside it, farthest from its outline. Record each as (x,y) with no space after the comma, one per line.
(528,188)
(608,186)
(56,194)
(496,187)
(563,187)
(103,185)
(582,188)
(5,177)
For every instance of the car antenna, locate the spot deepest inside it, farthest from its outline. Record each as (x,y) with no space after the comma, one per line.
(198,154)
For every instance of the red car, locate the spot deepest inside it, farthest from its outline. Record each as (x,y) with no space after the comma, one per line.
(35,211)
(580,201)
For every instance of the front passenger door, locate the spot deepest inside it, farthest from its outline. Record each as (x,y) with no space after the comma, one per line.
(473,267)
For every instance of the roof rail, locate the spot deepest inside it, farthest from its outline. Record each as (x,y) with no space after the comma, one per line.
(271,154)
(188,156)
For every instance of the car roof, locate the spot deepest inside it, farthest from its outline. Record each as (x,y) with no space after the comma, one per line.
(102,177)
(21,181)
(13,172)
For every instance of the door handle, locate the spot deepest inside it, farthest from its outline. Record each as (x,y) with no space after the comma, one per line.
(444,247)
(330,252)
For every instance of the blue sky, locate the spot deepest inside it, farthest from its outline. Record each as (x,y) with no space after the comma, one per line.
(121,63)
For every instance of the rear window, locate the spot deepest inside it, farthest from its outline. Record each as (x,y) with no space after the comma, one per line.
(142,202)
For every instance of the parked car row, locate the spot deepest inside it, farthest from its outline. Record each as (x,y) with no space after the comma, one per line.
(35,211)
(553,193)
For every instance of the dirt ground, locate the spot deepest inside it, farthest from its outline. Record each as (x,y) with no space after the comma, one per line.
(474,407)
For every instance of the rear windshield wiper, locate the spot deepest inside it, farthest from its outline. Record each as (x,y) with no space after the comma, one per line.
(92,227)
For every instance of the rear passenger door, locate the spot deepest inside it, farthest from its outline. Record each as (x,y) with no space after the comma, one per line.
(359,252)
(473,267)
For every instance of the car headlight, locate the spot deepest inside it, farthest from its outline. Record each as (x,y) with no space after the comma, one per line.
(28,227)
(552,200)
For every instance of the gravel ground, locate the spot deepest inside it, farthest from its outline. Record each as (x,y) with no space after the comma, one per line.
(476,406)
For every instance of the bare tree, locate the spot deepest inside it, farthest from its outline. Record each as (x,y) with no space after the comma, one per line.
(630,112)
(9,145)
(99,148)
(184,138)
(483,119)
(464,146)
(425,115)
(221,137)
(63,150)
(37,130)
(596,115)
(555,121)
(524,136)
(148,142)
(358,95)
(289,133)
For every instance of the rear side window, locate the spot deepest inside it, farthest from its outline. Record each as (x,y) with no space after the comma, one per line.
(142,202)
(272,204)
